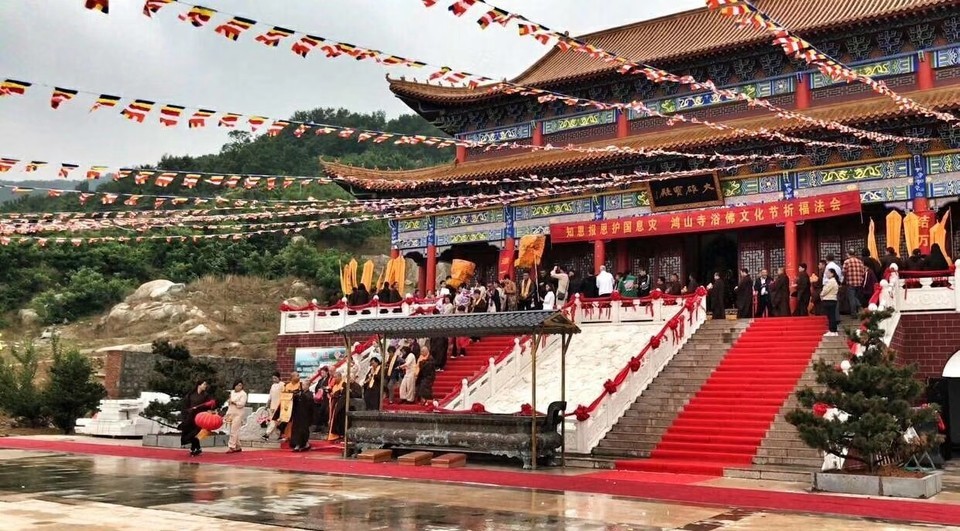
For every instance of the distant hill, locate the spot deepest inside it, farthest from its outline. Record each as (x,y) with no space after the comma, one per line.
(7,195)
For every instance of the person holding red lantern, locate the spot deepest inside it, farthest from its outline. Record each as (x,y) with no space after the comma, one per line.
(196,402)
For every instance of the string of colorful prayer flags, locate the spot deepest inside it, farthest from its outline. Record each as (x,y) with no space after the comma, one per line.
(745,14)
(626,66)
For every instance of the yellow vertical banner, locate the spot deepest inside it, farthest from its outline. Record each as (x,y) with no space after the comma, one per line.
(400,274)
(353,273)
(894,230)
(911,230)
(872,240)
(938,235)
(367,277)
(344,285)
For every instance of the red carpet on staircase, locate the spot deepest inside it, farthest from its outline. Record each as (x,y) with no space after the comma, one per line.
(450,379)
(724,423)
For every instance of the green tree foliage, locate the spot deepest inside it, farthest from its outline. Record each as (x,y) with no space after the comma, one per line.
(71,392)
(877,393)
(56,273)
(20,395)
(176,374)
(85,290)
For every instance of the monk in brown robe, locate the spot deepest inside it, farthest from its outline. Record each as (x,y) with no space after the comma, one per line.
(780,294)
(744,295)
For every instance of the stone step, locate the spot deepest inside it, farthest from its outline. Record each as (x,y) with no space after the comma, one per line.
(812,463)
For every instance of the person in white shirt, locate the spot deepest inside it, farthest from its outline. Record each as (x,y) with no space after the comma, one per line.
(604,282)
(549,299)
(236,405)
(273,403)
(837,270)
(563,284)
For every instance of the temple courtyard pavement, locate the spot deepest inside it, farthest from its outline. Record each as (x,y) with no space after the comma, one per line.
(53,482)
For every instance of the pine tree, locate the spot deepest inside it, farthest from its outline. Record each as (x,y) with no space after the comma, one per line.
(177,374)
(71,392)
(877,396)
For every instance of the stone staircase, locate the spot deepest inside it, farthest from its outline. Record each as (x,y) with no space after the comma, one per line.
(782,456)
(644,424)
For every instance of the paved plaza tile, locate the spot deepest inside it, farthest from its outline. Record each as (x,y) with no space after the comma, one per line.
(55,491)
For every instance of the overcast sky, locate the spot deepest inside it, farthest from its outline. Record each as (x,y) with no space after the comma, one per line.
(166,60)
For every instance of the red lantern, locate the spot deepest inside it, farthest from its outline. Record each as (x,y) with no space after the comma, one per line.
(820,409)
(208,421)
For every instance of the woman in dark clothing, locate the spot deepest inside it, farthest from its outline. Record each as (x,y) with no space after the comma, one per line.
(438,351)
(321,400)
(385,296)
(916,261)
(745,296)
(371,387)
(195,402)
(338,410)
(301,418)
(716,300)
(426,377)
(359,297)
(936,260)
(691,286)
(803,292)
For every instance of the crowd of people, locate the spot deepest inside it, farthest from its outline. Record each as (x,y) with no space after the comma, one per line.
(409,368)
(833,287)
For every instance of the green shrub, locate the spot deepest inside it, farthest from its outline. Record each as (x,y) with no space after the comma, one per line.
(20,396)
(71,392)
(85,292)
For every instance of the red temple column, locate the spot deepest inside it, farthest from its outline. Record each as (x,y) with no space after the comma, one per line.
(599,255)
(623,124)
(803,91)
(925,78)
(431,283)
(461,154)
(791,250)
(537,133)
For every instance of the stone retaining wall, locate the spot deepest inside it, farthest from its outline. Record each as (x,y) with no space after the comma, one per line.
(126,374)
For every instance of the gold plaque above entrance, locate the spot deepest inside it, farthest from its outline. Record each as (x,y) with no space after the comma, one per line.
(684,193)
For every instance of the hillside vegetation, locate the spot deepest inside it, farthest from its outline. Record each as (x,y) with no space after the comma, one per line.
(63,283)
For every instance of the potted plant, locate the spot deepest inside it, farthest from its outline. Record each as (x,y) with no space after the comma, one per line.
(866,422)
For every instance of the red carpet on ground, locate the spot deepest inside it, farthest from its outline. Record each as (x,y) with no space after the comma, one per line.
(724,423)
(450,379)
(763,500)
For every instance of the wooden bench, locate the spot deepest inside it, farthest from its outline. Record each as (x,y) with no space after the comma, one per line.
(449,461)
(376,456)
(415,458)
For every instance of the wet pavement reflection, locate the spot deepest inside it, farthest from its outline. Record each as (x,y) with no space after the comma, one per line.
(282,499)
(59,491)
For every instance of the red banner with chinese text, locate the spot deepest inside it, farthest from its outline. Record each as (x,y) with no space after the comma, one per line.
(505,266)
(733,218)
